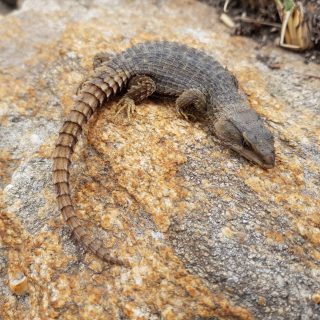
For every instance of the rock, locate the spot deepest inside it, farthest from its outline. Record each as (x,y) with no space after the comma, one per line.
(208,234)
(18,283)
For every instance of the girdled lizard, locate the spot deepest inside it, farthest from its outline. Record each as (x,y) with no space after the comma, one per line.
(196,80)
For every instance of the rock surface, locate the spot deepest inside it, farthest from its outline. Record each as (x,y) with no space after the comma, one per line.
(207,233)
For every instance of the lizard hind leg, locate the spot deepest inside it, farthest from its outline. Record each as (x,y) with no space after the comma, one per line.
(191,103)
(100,58)
(127,104)
(140,87)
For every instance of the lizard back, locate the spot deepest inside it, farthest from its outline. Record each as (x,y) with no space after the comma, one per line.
(176,67)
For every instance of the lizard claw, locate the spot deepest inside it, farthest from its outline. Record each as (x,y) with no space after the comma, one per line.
(181,113)
(128,105)
(186,116)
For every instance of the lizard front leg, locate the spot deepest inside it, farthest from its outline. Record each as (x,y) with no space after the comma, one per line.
(191,100)
(140,87)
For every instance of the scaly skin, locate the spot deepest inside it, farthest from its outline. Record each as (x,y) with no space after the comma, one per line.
(168,69)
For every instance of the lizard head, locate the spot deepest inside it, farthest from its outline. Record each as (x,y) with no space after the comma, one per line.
(248,136)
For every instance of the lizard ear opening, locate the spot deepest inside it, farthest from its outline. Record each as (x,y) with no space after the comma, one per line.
(228,132)
(246,144)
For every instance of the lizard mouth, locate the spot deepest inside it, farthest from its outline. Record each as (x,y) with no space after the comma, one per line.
(247,151)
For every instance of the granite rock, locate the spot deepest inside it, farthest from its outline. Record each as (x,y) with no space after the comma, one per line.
(208,234)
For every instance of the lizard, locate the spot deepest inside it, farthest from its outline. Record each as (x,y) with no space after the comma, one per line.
(196,81)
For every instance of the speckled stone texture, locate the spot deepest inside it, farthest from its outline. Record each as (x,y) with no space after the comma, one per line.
(208,235)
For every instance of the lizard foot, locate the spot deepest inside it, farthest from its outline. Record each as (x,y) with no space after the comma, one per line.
(128,105)
(185,115)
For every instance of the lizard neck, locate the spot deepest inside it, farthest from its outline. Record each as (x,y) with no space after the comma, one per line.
(228,106)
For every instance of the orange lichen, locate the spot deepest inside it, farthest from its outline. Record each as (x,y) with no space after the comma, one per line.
(316,298)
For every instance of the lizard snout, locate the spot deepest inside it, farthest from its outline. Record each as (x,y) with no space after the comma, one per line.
(269,161)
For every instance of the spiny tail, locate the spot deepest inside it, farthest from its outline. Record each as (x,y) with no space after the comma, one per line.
(94,93)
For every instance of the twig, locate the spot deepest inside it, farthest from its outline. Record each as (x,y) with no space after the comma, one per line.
(285,21)
(227,20)
(257,21)
(308,75)
(225,7)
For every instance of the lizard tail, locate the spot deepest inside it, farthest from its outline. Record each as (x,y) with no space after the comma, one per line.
(94,93)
